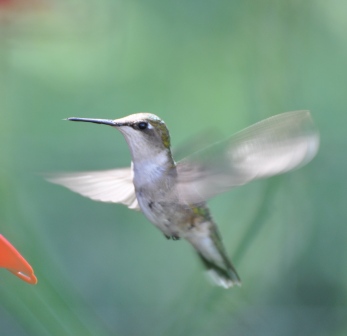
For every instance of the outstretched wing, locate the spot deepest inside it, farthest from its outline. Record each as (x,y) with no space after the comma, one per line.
(270,147)
(112,186)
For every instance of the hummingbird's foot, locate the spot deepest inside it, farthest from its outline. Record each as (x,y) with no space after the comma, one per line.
(172,237)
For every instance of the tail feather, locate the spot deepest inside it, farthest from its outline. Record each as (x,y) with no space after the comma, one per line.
(211,251)
(222,276)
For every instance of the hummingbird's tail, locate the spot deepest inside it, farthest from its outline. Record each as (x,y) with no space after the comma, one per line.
(212,253)
(224,277)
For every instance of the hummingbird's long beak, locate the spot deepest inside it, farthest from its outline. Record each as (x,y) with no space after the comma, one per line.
(96,121)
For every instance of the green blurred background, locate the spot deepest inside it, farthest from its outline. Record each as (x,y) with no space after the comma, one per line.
(200,65)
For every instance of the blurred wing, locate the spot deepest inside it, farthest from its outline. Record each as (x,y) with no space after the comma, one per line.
(112,186)
(196,143)
(270,147)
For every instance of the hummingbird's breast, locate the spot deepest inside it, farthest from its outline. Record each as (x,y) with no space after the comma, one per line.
(174,218)
(160,208)
(155,187)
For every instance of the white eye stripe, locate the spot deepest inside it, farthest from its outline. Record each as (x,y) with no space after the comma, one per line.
(149,126)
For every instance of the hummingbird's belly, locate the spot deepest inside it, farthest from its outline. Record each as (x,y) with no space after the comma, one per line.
(170,218)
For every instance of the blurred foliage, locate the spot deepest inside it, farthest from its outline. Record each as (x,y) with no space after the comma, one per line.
(103,269)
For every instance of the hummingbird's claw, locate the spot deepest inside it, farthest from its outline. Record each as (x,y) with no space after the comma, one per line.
(172,237)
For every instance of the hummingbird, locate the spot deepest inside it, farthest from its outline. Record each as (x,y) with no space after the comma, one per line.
(173,195)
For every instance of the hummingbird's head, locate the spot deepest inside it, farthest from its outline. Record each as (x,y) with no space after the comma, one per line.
(145,133)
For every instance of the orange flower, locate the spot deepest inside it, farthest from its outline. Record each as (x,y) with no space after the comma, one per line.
(11,259)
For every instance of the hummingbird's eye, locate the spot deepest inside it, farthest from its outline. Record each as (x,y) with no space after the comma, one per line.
(142,125)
